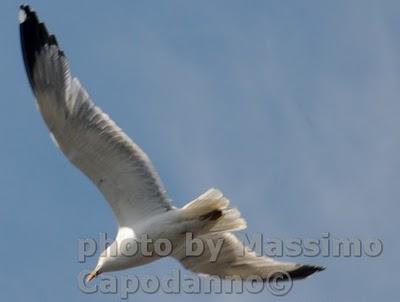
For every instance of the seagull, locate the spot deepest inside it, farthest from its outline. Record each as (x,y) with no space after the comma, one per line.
(125,176)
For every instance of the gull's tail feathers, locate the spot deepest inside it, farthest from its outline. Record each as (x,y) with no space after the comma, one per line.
(212,208)
(212,220)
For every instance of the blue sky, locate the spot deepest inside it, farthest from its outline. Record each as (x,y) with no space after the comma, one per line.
(290,108)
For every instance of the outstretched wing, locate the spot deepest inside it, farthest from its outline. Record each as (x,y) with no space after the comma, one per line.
(236,261)
(86,135)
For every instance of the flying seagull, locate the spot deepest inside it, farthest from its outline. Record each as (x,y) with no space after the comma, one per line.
(124,174)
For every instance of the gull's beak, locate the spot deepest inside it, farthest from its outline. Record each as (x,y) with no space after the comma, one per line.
(91,276)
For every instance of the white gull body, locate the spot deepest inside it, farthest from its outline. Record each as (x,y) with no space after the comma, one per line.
(125,176)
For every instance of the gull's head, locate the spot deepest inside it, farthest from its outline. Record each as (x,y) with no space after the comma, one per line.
(97,270)
(107,262)
(111,259)
(93,274)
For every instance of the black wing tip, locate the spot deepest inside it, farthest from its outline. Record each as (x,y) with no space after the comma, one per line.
(31,29)
(26,8)
(34,36)
(301,272)
(304,271)
(25,13)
